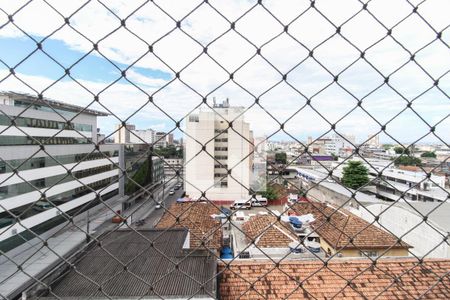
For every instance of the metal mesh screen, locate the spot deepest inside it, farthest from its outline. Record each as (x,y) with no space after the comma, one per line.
(298,72)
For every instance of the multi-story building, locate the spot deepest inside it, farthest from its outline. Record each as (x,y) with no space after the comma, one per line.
(37,193)
(160,139)
(169,139)
(213,149)
(373,141)
(146,136)
(123,134)
(45,121)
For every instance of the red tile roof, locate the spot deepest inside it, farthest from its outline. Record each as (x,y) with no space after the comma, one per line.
(268,232)
(346,230)
(401,278)
(196,217)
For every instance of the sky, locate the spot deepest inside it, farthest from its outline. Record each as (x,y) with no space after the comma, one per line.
(307,102)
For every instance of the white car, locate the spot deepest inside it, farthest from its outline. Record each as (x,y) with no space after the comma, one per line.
(171,192)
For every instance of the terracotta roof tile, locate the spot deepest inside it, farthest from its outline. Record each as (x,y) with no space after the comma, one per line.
(343,226)
(268,232)
(196,217)
(248,280)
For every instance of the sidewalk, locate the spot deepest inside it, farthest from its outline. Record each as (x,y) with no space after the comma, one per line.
(38,260)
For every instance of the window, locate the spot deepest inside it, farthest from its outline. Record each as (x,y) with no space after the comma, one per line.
(224,140)
(27,140)
(220,166)
(369,253)
(3,191)
(221,130)
(220,157)
(221,148)
(40,183)
(43,123)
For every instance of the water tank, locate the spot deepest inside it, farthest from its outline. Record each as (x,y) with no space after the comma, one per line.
(226,253)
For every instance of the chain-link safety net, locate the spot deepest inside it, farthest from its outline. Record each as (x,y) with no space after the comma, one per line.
(344,104)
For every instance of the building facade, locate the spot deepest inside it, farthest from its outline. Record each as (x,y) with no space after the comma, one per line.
(123,134)
(206,167)
(37,193)
(28,120)
(146,136)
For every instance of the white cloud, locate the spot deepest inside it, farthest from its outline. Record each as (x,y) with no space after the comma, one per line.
(177,50)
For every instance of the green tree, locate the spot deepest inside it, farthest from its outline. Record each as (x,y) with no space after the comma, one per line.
(405,160)
(140,178)
(387,146)
(428,154)
(169,152)
(281,157)
(401,150)
(270,193)
(355,175)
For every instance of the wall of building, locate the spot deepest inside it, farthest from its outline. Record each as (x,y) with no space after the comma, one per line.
(357,252)
(68,193)
(229,148)
(424,238)
(82,118)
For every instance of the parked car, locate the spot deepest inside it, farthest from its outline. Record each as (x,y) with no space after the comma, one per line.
(261,201)
(241,204)
(171,192)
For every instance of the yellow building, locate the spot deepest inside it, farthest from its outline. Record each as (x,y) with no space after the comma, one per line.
(347,235)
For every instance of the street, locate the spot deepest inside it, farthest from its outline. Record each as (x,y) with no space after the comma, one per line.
(156,214)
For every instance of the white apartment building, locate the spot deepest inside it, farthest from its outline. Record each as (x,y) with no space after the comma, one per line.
(122,134)
(373,141)
(146,136)
(35,186)
(337,142)
(225,148)
(163,139)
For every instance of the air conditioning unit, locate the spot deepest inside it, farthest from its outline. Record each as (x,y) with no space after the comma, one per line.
(244,254)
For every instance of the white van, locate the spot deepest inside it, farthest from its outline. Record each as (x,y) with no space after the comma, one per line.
(259,201)
(241,204)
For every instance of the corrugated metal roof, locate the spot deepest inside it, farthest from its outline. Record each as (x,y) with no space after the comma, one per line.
(151,270)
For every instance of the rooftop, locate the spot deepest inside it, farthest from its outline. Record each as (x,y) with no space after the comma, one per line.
(263,280)
(346,230)
(53,103)
(196,217)
(151,271)
(436,212)
(268,232)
